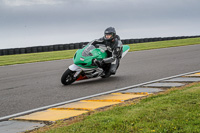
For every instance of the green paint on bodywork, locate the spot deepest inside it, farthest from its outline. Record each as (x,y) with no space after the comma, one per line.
(125,48)
(97,53)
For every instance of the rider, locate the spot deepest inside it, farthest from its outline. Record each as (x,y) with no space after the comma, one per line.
(114,49)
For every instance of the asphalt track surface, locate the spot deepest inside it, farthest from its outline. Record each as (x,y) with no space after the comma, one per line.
(28,86)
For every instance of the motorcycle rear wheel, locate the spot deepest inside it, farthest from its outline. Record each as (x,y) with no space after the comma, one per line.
(68,77)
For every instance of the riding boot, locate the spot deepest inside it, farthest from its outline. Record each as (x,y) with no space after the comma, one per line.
(114,66)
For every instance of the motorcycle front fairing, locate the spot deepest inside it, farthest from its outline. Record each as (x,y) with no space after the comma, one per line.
(83,57)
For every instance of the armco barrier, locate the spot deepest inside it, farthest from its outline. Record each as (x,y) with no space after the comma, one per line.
(5,51)
(1,52)
(55,48)
(34,50)
(28,50)
(45,48)
(66,46)
(16,51)
(58,47)
(22,50)
(50,48)
(71,46)
(76,45)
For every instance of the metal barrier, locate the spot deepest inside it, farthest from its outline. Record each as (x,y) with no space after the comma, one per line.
(59,47)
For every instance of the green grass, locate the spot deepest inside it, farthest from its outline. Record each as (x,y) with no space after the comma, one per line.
(66,54)
(164,44)
(35,57)
(175,111)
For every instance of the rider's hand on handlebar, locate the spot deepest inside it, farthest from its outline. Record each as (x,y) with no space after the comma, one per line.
(98,63)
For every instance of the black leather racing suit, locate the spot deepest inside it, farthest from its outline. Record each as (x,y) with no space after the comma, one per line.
(114,51)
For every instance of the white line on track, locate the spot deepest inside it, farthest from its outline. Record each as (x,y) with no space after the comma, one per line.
(82,98)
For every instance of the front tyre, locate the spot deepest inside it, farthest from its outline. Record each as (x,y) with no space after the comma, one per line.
(68,77)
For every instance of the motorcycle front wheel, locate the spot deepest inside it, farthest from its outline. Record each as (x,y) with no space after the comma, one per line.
(68,77)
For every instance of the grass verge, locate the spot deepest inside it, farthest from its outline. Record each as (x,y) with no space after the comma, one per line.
(176,110)
(66,54)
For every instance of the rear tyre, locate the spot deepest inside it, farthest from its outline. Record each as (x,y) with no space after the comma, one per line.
(68,77)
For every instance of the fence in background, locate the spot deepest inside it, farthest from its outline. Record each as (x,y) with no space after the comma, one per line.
(70,46)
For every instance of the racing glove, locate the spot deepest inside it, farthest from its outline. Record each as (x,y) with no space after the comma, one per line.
(98,63)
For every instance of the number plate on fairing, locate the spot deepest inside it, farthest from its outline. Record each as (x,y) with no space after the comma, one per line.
(82,59)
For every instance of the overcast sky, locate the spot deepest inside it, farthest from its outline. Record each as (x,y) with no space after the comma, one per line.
(26,23)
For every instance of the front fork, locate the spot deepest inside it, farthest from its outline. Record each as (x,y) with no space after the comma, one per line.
(80,75)
(77,69)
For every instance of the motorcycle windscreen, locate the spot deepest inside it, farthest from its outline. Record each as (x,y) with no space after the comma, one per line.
(86,51)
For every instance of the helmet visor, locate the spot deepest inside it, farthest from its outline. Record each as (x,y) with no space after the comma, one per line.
(108,36)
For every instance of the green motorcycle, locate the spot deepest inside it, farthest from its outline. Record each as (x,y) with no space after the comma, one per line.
(84,68)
